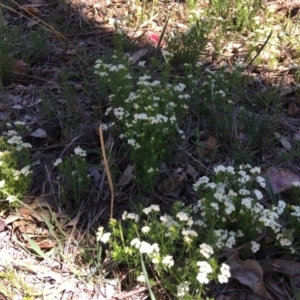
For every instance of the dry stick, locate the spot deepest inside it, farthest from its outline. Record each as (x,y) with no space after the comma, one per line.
(259,51)
(107,171)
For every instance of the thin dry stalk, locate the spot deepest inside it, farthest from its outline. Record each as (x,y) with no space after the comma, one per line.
(107,171)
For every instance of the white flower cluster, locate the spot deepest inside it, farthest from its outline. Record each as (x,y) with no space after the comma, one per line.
(206,250)
(151,208)
(103,236)
(183,288)
(223,200)
(130,216)
(14,139)
(225,273)
(204,269)
(80,152)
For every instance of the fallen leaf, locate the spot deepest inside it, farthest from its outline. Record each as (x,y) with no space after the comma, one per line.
(138,55)
(208,145)
(285,143)
(31,9)
(293,109)
(11,219)
(19,67)
(275,289)
(248,273)
(281,179)
(126,177)
(190,170)
(173,184)
(2,225)
(39,133)
(154,38)
(288,267)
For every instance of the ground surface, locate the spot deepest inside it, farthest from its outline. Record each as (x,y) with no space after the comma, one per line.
(54,94)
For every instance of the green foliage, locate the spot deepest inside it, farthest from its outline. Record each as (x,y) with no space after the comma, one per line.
(15,173)
(146,115)
(74,180)
(229,205)
(186,47)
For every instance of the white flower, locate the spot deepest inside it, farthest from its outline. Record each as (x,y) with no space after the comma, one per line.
(219,169)
(145,229)
(183,288)
(152,207)
(182,216)
(11,198)
(141,278)
(142,63)
(202,278)
(135,243)
(168,261)
(258,194)
(254,246)
(280,207)
(211,185)
(130,216)
(296,212)
(255,170)
(179,87)
(57,162)
(244,192)
(19,123)
(26,171)
(148,248)
(204,267)
(283,241)
(103,236)
(261,181)
(206,250)
(225,273)
(2,183)
(214,205)
(189,232)
(79,151)
(247,202)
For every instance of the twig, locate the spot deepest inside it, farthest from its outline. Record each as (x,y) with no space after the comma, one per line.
(261,49)
(107,171)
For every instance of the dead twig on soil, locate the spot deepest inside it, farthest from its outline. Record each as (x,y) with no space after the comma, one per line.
(107,171)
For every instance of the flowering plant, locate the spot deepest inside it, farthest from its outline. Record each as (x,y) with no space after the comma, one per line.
(181,248)
(15,170)
(146,114)
(74,179)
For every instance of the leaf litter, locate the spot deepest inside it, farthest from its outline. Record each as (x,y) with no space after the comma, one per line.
(23,103)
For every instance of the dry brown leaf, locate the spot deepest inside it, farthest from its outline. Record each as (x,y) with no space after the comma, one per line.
(138,55)
(208,145)
(39,133)
(19,67)
(285,143)
(11,219)
(249,273)
(190,170)
(126,177)
(293,109)
(173,185)
(32,9)
(288,267)
(2,225)
(281,179)
(275,289)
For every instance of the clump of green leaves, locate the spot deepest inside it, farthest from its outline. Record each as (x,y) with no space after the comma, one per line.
(15,170)
(146,113)
(229,205)
(74,178)
(187,46)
